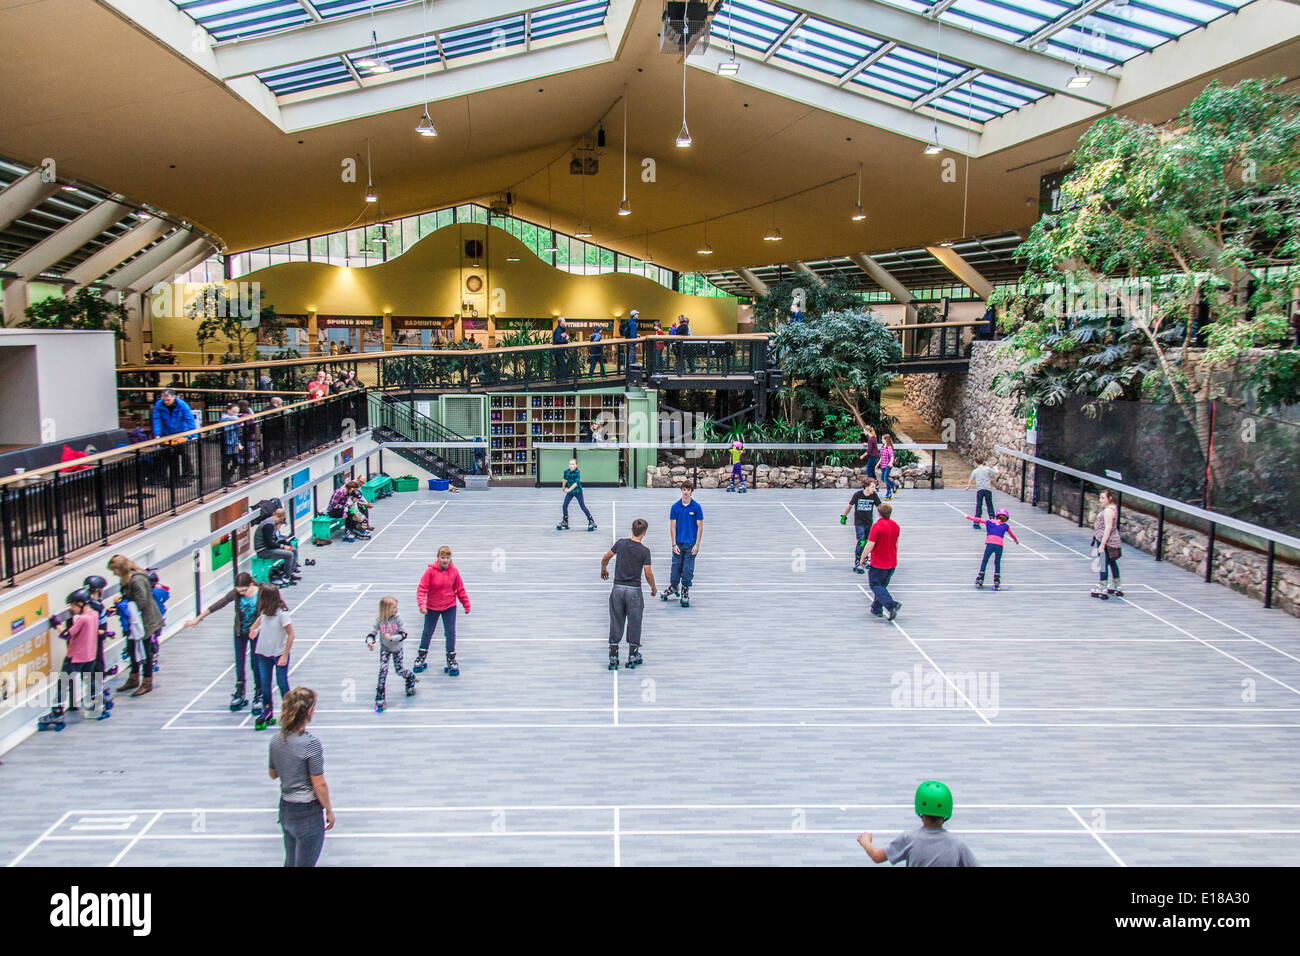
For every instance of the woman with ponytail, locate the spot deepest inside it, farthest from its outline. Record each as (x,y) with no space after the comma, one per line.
(298,762)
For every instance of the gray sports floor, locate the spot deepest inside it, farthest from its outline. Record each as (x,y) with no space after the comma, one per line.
(771,722)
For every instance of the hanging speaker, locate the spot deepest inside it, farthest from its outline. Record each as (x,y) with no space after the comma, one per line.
(473,248)
(600,138)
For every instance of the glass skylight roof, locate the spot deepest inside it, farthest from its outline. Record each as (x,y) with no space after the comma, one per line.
(1105,38)
(233,19)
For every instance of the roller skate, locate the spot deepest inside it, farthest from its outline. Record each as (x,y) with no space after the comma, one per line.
(1115,590)
(563,525)
(410,685)
(997,582)
(264,720)
(380,704)
(237,700)
(613,657)
(669,592)
(452,669)
(421,662)
(591,524)
(685,602)
(732,486)
(633,657)
(1100,591)
(979,580)
(742,489)
(54,720)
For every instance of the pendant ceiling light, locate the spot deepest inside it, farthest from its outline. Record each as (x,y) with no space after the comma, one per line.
(773,234)
(583,231)
(705,249)
(729,67)
(550,223)
(933,148)
(859,213)
(625,208)
(425,127)
(371,195)
(684,137)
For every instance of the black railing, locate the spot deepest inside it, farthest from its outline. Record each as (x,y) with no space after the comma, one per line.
(48,514)
(386,412)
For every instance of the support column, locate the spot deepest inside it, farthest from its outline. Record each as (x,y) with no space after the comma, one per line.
(886,281)
(17,298)
(313,346)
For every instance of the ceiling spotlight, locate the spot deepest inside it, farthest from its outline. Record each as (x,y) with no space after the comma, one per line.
(583,232)
(728,67)
(69,188)
(773,235)
(371,195)
(512,258)
(1080,79)
(948,243)
(382,238)
(625,208)
(367,62)
(381,67)
(705,250)
(859,213)
(684,138)
(933,149)
(426,125)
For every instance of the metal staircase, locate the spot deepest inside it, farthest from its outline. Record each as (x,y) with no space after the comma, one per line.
(392,420)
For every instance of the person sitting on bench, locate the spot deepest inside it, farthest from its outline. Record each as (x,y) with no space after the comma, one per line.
(271,544)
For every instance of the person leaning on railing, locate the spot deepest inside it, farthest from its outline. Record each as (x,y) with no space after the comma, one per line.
(172,416)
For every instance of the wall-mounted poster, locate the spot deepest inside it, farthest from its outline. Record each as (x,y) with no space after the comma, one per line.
(301,504)
(221,548)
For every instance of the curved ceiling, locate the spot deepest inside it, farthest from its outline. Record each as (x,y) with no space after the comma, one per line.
(119,107)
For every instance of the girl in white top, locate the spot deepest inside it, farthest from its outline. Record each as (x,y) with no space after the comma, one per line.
(273,631)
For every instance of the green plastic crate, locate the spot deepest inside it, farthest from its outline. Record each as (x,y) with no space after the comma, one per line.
(407,483)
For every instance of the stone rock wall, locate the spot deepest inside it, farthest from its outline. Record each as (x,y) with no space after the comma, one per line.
(778,476)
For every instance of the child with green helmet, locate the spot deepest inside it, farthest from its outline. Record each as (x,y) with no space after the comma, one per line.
(929,844)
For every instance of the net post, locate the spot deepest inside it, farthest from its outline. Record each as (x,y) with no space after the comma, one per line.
(1160,534)
(1268,575)
(934,455)
(1209,556)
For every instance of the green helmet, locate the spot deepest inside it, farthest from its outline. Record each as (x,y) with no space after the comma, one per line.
(934,799)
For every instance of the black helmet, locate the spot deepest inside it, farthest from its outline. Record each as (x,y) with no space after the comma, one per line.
(79,596)
(153,576)
(95,583)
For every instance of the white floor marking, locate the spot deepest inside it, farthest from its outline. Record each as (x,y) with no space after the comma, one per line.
(375,537)
(805,527)
(337,621)
(618,839)
(136,839)
(1021,524)
(1217,650)
(1224,623)
(416,537)
(1021,544)
(615,698)
(1096,836)
(52,827)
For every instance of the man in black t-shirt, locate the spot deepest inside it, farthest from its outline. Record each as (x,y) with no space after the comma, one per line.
(626,603)
(863,504)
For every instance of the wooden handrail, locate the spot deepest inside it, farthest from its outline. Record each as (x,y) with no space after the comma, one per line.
(402,353)
(189,388)
(151,444)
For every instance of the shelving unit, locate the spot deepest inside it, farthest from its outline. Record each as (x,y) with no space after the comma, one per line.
(516,421)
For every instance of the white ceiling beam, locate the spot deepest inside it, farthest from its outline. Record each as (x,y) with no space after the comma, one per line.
(189,256)
(118,251)
(753,281)
(66,240)
(1063,23)
(959,80)
(148,260)
(311,10)
(23,195)
(315,41)
(785,35)
(805,269)
(408,91)
(881,51)
(883,278)
(861,107)
(995,56)
(963,270)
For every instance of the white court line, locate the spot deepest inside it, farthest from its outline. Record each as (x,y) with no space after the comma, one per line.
(1021,544)
(231,667)
(375,536)
(805,527)
(555,807)
(941,671)
(415,537)
(660,709)
(1212,647)
(1051,539)
(32,846)
(615,698)
(127,849)
(779,725)
(1113,855)
(618,838)
(338,620)
(1224,623)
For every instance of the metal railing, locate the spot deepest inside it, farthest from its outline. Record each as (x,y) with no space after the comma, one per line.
(387,413)
(1163,506)
(50,513)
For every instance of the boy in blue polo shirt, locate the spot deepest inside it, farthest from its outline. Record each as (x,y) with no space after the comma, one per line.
(686,530)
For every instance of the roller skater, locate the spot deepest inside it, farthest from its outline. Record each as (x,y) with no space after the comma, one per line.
(437,593)
(96,585)
(54,720)
(996,529)
(863,504)
(571,485)
(244,596)
(626,604)
(391,635)
(273,630)
(685,533)
(737,472)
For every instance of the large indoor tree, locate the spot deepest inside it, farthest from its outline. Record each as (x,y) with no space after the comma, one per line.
(221,316)
(1168,269)
(86,310)
(844,359)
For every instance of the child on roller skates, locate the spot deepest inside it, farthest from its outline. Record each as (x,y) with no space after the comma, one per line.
(863,504)
(929,844)
(273,630)
(83,626)
(571,485)
(96,585)
(391,634)
(887,465)
(737,472)
(996,529)
(244,595)
(436,596)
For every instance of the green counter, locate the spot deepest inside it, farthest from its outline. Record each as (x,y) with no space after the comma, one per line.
(598,463)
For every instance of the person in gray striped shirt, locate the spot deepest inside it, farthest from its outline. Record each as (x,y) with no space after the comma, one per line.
(298,762)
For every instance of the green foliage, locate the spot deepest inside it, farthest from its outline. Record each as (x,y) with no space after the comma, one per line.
(773,309)
(843,359)
(1277,376)
(219,318)
(1156,223)
(85,311)
(905,458)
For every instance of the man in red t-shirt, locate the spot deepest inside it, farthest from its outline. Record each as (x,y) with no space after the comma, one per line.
(882,551)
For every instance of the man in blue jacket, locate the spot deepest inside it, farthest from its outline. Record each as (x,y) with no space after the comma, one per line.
(171,416)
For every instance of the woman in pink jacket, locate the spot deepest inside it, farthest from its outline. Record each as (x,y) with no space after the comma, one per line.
(439,590)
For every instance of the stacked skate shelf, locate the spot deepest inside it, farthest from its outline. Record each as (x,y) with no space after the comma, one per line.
(519,420)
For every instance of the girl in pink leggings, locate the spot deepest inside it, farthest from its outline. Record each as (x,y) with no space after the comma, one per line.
(995,529)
